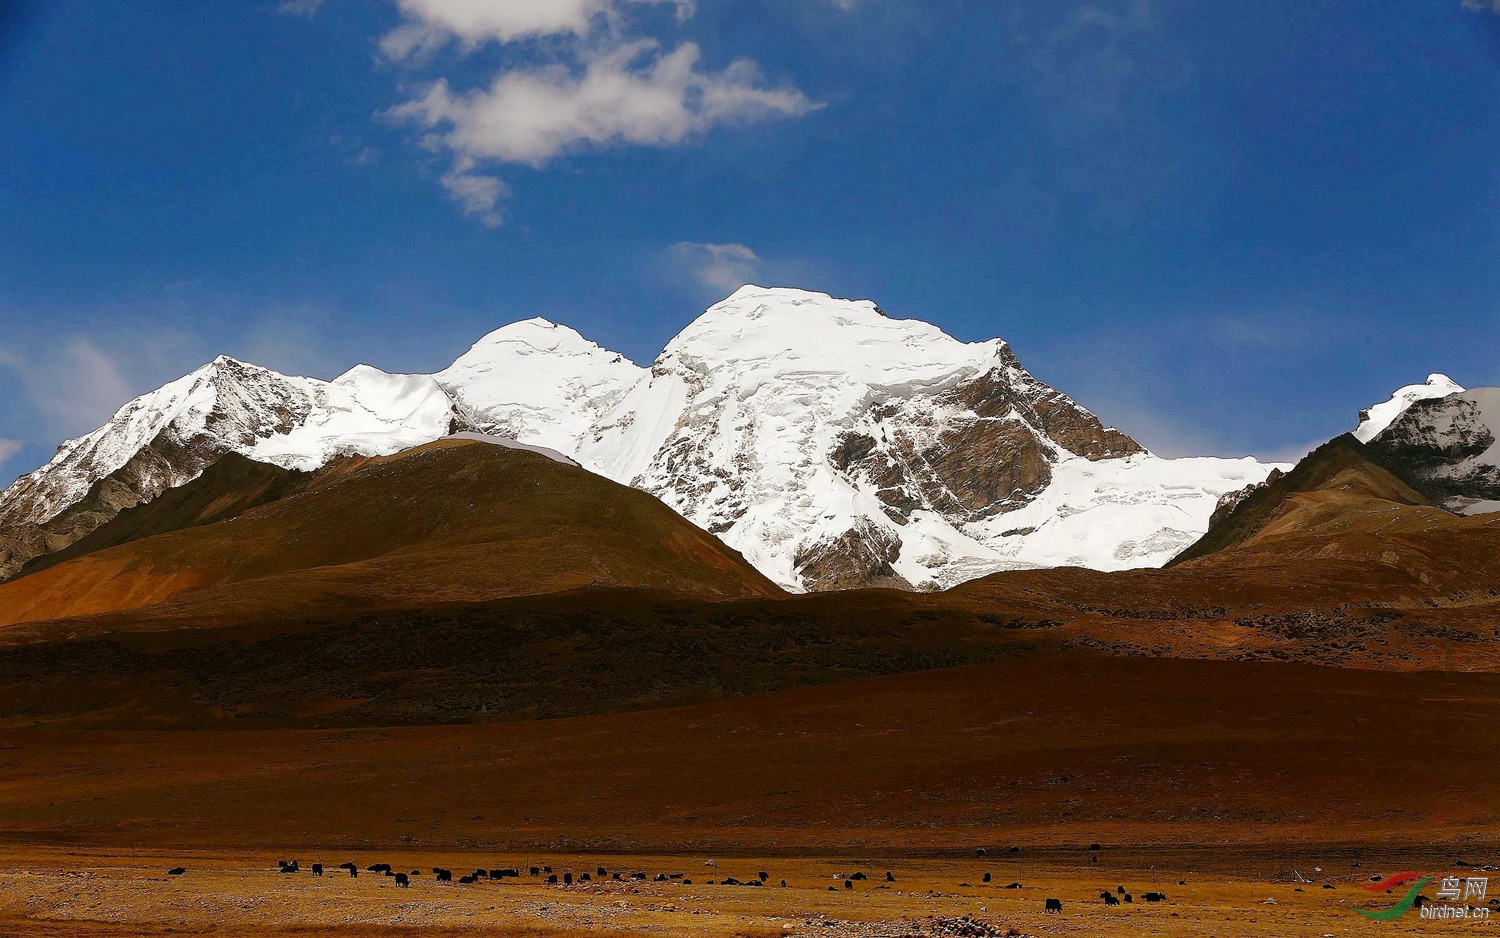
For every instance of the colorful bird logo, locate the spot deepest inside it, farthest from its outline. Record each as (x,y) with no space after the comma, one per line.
(1407,901)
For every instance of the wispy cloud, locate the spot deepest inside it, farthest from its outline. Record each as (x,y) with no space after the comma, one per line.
(74,388)
(721,268)
(8,448)
(300,7)
(1492,6)
(477,194)
(592,88)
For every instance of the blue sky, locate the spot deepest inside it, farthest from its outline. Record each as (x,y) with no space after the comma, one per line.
(1224,227)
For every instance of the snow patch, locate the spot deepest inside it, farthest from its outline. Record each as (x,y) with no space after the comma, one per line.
(508,443)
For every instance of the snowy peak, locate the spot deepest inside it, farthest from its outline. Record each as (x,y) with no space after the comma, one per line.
(765,332)
(1377,418)
(1449,447)
(539,382)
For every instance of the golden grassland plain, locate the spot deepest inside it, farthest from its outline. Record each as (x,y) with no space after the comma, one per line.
(109,893)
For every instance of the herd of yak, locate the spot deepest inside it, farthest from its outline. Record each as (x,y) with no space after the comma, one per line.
(442,875)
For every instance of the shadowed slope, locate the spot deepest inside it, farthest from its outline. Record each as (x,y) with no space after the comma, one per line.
(225,490)
(453,521)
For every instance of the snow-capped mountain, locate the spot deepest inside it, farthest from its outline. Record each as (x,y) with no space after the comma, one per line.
(1448,445)
(168,437)
(834,446)
(831,445)
(1373,421)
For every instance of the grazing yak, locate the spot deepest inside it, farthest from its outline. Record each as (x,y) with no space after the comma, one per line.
(317,869)
(442,875)
(1053,905)
(1155,896)
(986,878)
(287,866)
(177,871)
(1109,898)
(402,880)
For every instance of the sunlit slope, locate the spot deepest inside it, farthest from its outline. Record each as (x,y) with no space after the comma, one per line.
(452,521)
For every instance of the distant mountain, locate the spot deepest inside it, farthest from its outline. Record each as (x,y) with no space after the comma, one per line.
(1430,446)
(1344,470)
(166,438)
(831,445)
(1374,420)
(454,521)
(1450,448)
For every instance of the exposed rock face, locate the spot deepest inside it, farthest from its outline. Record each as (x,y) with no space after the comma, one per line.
(162,464)
(1374,420)
(1232,500)
(1447,447)
(984,448)
(861,556)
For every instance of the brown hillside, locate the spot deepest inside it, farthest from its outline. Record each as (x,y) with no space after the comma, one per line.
(453,521)
(225,490)
(1342,470)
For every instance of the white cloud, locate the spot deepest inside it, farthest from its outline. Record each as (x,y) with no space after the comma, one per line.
(722,268)
(592,88)
(300,7)
(633,94)
(75,388)
(477,194)
(430,24)
(8,448)
(1492,5)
